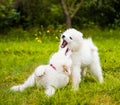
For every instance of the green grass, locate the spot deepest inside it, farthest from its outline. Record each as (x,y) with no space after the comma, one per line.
(20,55)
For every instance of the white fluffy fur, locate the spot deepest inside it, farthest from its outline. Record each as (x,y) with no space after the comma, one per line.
(84,55)
(47,76)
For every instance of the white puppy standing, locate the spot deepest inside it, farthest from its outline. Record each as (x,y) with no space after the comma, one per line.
(52,76)
(84,55)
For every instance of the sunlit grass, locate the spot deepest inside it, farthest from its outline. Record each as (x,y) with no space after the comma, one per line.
(20,55)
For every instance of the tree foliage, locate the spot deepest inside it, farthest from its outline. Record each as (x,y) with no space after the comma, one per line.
(28,13)
(100,12)
(8,15)
(38,12)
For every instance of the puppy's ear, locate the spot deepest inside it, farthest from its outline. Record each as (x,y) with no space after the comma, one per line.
(81,35)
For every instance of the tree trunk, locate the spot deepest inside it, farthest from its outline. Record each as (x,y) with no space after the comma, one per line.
(67,14)
(68,22)
(70,10)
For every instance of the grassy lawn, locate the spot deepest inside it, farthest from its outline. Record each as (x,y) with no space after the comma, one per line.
(20,55)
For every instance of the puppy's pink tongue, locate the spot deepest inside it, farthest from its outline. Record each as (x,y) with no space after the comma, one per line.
(67,51)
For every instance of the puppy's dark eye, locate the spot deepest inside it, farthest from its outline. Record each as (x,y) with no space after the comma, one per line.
(70,38)
(63,36)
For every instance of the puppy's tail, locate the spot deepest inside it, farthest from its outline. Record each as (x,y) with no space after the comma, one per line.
(92,46)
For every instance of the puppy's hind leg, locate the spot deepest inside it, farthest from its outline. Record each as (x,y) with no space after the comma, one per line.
(30,82)
(96,70)
(83,72)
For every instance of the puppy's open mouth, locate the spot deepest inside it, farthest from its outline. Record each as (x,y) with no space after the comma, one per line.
(64,43)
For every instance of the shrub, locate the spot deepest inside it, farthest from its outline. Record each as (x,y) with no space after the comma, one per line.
(8,16)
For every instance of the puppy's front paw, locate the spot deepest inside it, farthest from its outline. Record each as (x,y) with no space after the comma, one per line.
(50,91)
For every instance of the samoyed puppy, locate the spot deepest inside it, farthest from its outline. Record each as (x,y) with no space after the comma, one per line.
(84,55)
(52,76)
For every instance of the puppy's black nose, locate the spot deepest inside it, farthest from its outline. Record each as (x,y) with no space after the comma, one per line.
(63,36)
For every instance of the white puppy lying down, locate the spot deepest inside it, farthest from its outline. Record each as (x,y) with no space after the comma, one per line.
(84,55)
(52,76)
